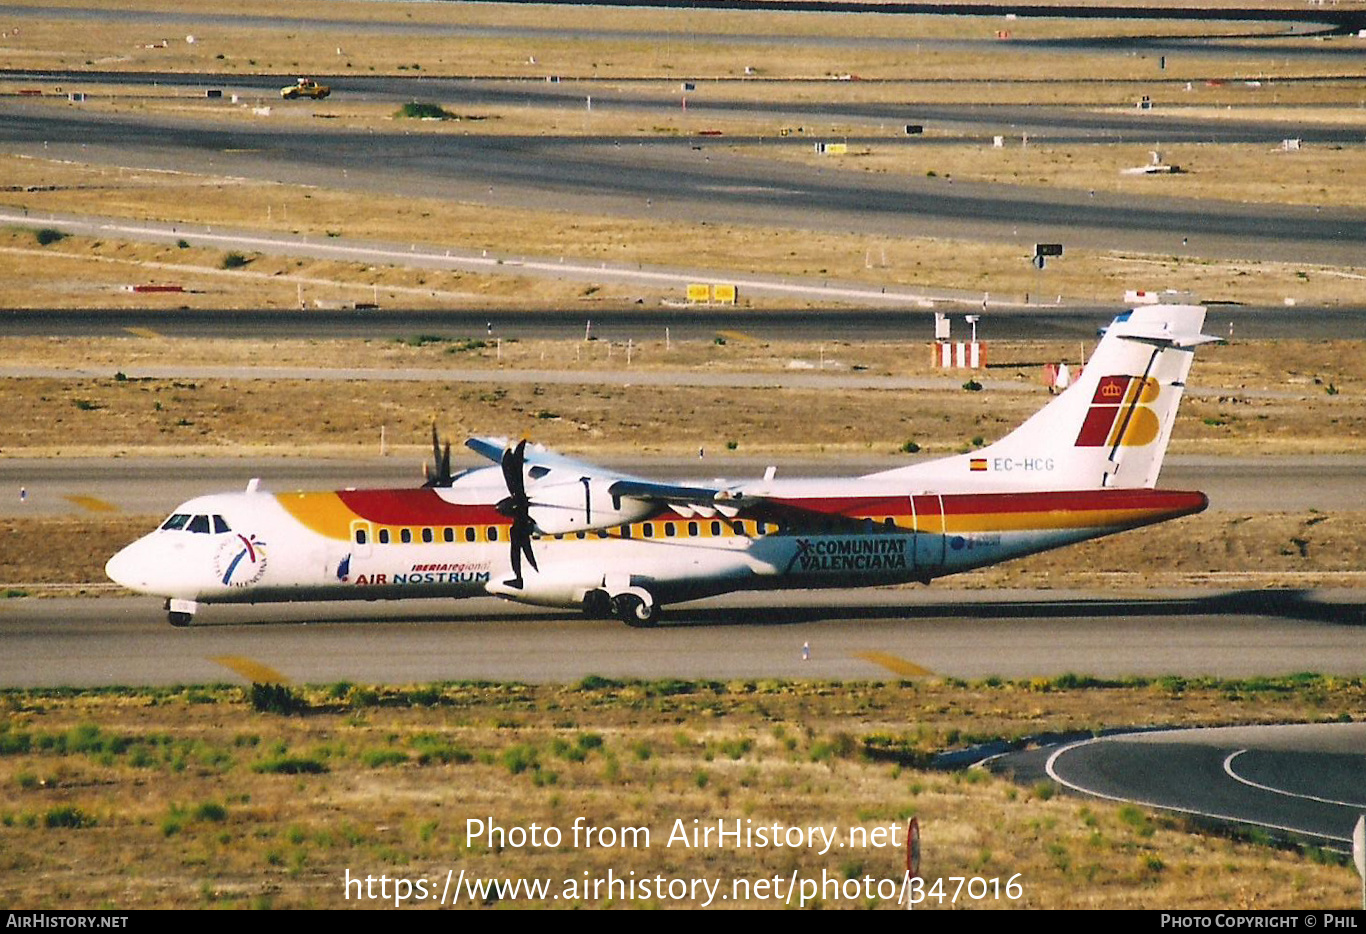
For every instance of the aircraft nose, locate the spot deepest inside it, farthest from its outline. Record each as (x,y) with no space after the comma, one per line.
(138,567)
(120,568)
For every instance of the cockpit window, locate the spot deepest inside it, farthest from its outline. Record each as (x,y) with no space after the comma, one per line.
(176,522)
(538,472)
(220,525)
(200,524)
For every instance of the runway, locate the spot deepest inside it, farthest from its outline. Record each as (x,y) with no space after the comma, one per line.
(874,634)
(153,486)
(1302,780)
(1078,322)
(682,180)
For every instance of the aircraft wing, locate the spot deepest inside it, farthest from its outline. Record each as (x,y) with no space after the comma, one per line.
(669,493)
(536,456)
(687,500)
(620,486)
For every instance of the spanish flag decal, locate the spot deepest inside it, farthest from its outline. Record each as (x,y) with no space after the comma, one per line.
(977,463)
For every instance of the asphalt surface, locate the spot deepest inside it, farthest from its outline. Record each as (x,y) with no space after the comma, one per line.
(672,179)
(641,323)
(1301,780)
(965,634)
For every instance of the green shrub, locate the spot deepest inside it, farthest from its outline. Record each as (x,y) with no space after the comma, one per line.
(289,765)
(378,758)
(65,815)
(275,698)
(211,811)
(416,110)
(234,260)
(48,235)
(519,758)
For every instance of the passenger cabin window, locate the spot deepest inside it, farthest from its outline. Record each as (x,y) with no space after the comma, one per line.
(715,527)
(493,533)
(220,525)
(384,536)
(427,535)
(448,534)
(200,524)
(176,522)
(406,536)
(470,534)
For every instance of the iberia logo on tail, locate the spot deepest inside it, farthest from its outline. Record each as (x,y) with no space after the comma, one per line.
(1119,413)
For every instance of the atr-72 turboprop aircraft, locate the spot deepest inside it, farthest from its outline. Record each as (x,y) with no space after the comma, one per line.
(543,529)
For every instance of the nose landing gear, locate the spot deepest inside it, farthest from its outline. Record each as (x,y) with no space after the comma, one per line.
(180,613)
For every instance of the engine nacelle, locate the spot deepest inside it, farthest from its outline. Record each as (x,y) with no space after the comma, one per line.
(581,505)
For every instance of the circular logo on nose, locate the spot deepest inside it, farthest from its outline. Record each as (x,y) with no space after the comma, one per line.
(240,561)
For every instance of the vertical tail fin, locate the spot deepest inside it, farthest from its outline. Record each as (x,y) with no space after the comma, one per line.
(1110,428)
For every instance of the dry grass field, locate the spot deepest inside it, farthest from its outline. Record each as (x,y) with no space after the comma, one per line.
(189,797)
(1323,176)
(81,272)
(341,38)
(1282,397)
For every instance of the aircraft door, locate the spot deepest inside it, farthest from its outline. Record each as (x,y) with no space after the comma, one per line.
(927,516)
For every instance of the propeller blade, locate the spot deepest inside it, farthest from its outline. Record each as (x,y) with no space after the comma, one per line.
(516,562)
(438,472)
(517,507)
(514,459)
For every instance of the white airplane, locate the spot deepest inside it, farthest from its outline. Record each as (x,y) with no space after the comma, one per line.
(544,529)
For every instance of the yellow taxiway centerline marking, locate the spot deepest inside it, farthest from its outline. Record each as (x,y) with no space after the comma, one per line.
(736,336)
(894,664)
(251,670)
(92,503)
(142,332)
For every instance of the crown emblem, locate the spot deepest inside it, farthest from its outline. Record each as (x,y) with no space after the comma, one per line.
(1111,390)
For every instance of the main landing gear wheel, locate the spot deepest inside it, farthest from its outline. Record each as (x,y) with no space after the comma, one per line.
(634,611)
(597,604)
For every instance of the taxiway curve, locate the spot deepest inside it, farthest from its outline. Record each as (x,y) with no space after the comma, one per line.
(1297,779)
